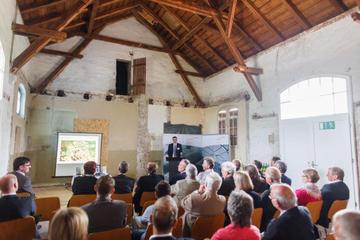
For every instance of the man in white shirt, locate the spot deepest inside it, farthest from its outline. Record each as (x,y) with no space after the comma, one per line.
(208,165)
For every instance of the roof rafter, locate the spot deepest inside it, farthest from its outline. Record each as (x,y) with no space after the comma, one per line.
(42,6)
(187,6)
(60,53)
(93,12)
(340,5)
(37,31)
(230,20)
(297,14)
(41,42)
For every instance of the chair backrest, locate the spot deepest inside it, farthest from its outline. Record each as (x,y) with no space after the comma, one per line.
(330,237)
(176,232)
(206,226)
(314,209)
(126,197)
(79,200)
(18,229)
(147,204)
(23,194)
(147,196)
(114,234)
(149,231)
(130,213)
(46,207)
(181,211)
(276,214)
(336,206)
(256,217)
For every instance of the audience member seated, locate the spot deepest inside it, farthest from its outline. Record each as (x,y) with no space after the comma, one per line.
(259,166)
(239,208)
(346,225)
(11,206)
(208,166)
(104,213)
(227,171)
(294,222)
(237,164)
(335,190)
(85,184)
(203,202)
(69,224)
(163,218)
(310,192)
(146,184)
(162,189)
(184,187)
(123,183)
(272,175)
(243,182)
(281,165)
(274,160)
(181,169)
(260,185)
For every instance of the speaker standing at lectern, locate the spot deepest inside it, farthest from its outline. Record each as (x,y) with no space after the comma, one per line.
(174,153)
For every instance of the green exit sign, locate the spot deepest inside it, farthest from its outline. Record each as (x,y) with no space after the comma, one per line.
(327,125)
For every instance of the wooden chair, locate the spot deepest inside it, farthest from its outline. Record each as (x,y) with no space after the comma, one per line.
(146,205)
(23,194)
(18,229)
(46,207)
(314,209)
(276,214)
(177,230)
(330,237)
(114,234)
(80,200)
(147,196)
(130,213)
(126,197)
(256,217)
(181,211)
(205,227)
(336,206)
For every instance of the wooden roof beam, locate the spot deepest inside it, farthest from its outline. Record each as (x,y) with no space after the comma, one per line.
(37,31)
(251,70)
(297,14)
(194,74)
(42,6)
(94,8)
(340,5)
(187,6)
(251,6)
(230,20)
(61,53)
(40,43)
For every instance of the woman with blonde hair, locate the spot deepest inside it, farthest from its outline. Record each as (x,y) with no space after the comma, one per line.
(243,182)
(69,224)
(310,192)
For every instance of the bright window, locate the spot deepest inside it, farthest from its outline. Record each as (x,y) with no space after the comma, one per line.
(21,100)
(228,121)
(314,97)
(2,70)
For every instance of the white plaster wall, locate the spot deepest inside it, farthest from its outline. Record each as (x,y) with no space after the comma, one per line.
(332,48)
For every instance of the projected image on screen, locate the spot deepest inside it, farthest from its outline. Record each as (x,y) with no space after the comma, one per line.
(74,149)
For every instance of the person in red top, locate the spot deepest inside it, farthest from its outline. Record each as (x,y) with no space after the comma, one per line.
(310,192)
(240,208)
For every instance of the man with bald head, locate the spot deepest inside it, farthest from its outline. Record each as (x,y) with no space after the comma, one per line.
(346,225)
(11,206)
(294,221)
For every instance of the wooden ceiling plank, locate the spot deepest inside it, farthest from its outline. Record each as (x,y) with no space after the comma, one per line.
(94,8)
(173,59)
(298,15)
(186,6)
(231,16)
(212,50)
(340,5)
(61,53)
(248,38)
(41,42)
(37,31)
(42,6)
(251,6)
(194,74)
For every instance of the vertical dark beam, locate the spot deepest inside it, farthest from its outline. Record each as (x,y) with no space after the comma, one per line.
(231,16)
(94,8)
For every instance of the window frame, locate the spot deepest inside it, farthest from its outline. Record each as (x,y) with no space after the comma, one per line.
(228,120)
(21,100)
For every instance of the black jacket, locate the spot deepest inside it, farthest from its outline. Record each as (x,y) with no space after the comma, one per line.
(177,177)
(294,224)
(286,179)
(13,207)
(331,192)
(84,185)
(256,198)
(171,150)
(227,186)
(268,212)
(123,184)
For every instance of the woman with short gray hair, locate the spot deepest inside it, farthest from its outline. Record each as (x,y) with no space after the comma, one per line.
(240,208)
(184,187)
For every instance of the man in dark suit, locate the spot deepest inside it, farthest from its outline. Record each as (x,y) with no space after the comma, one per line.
(163,218)
(181,169)
(123,183)
(146,184)
(272,175)
(104,213)
(11,206)
(335,190)
(85,184)
(294,222)
(281,165)
(228,184)
(174,149)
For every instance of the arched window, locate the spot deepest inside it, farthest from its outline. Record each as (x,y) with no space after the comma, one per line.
(314,97)
(228,124)
(21,100)
(2,69)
